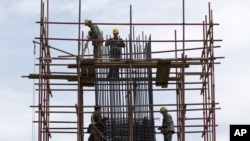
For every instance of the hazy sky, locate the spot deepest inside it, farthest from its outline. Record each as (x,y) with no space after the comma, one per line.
(18,29)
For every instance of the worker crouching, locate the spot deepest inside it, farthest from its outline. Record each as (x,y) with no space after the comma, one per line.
(167,128)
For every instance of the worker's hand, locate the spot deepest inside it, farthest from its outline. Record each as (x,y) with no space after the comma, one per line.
(117,43)
(159,128)
(87,37)
(104,119)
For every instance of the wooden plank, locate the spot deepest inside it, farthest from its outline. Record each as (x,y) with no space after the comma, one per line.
(87,61)
(48,76)
(88,72)
(162,73)
(127,64)
(135,65)
(74,78)
(88,82)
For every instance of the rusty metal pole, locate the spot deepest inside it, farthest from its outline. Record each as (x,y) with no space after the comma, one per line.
(80,91)
(177,93)
(212,72)
(40,80)
(183,73)
(130,112)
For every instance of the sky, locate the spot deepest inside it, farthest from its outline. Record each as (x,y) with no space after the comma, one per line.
(18,29)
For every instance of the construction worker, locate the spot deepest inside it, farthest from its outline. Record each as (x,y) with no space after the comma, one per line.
(96,37)
(115,43)
(167,128)
(98,125)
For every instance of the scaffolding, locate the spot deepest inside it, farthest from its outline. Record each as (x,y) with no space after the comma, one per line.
(69,79)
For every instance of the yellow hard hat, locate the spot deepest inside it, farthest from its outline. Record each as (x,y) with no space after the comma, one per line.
(115,31)
(86,21)
(163,109)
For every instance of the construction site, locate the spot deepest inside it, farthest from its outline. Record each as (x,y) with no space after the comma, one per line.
(69,81)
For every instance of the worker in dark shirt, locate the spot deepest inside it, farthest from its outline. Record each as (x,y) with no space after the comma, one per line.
(115,43)
(98,125)
(167,128)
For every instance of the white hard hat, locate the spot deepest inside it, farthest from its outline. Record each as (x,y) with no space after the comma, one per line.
(86,21)
(163,109)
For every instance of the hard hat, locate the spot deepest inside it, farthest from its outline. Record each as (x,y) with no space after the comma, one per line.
(115,31)
(163,109)
(86,21)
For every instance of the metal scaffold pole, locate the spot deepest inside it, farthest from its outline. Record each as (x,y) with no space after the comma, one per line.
(80,89)
(147,74)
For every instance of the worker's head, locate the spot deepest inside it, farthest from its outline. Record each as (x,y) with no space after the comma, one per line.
(87,22)
(97,108)
(115,31)
(163,110)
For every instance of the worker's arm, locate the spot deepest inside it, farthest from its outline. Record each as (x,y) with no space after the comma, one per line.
(122,44)
(98,120)
(107,43)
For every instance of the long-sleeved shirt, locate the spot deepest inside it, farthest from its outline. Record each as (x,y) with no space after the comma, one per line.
(167,123)
(97,120)
(113,43)
(115,47)
(95,35)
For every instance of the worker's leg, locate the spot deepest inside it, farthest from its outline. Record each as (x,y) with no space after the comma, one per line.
(117,56)
(116,72)
(112,54)
(99,50)
(110,74)
(168,137)
(91,137)
(165,138)
(97,136)
(95,51)
(111,70)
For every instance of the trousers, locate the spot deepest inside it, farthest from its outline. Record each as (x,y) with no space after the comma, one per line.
(95,135)
(97,50)
(168,137)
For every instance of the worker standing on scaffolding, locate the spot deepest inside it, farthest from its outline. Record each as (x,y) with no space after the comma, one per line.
(167,128)
(115,43)
(98,125)
(96,37)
